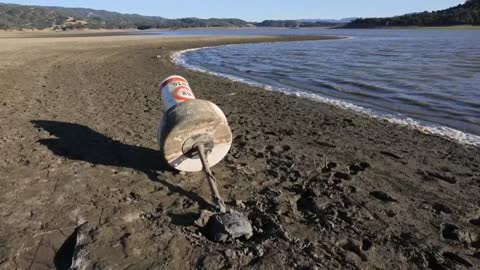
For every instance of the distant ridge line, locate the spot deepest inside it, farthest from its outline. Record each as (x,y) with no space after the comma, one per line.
(463,14)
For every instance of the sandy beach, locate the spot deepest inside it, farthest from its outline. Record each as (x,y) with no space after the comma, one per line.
(323,187)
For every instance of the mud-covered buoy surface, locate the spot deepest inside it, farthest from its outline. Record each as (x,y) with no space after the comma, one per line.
(228,227)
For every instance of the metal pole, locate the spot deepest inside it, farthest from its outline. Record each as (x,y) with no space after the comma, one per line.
(219,203)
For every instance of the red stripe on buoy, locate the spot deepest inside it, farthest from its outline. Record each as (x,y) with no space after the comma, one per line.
(174,79)
(182,98)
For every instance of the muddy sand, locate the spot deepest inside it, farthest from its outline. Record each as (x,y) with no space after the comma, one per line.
(81,179)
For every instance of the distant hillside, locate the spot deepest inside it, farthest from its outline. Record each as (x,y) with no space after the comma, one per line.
(466,14)
(304,23)
(340,21)
(295,23)
(59,18)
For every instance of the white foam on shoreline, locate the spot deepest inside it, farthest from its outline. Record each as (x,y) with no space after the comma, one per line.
(449,133)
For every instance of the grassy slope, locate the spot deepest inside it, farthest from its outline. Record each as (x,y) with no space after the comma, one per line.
(38,17)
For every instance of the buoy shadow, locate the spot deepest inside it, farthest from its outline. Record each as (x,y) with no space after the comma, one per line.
(78,142)
(155,177)
(63,257)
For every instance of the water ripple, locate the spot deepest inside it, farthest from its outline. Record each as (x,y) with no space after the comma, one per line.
(427,79)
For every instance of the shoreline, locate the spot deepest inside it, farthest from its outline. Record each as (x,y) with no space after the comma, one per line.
(441,131)
(324,187)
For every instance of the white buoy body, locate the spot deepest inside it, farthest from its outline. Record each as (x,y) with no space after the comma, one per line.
(187,122)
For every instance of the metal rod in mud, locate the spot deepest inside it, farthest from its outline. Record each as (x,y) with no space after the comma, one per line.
(219,203)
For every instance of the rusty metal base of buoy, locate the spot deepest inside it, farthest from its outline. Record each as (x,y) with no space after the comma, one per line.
(227,224)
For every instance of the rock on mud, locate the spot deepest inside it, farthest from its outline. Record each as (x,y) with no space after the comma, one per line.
(229,226)
(84,238)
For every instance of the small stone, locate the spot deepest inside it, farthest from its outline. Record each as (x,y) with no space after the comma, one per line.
(81,255)
(229,226)
(258,251)
(203,219)
(239,203)
(231,254)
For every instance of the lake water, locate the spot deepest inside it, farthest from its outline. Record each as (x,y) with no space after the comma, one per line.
(427,79)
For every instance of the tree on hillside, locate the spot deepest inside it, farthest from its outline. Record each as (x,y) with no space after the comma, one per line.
(37,17)
(466,14)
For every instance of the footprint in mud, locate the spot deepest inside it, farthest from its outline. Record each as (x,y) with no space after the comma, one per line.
(446,260)
(367,244)
(475,221)
(354,246)
(317,209)
(342,176)
(329,167)
(310,201)
(270,148)
(444,176)
(457,259)
(325,144)
(382,196)
(357,168)
(440,208)
(390,154)
(451,232)
(455,233)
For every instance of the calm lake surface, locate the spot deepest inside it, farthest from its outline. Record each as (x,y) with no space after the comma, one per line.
(429,79)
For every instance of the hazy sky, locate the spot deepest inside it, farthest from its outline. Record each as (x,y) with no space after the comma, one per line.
(256,10)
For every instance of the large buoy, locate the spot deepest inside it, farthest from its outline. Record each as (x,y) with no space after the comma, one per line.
(193,136)
(189,122)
